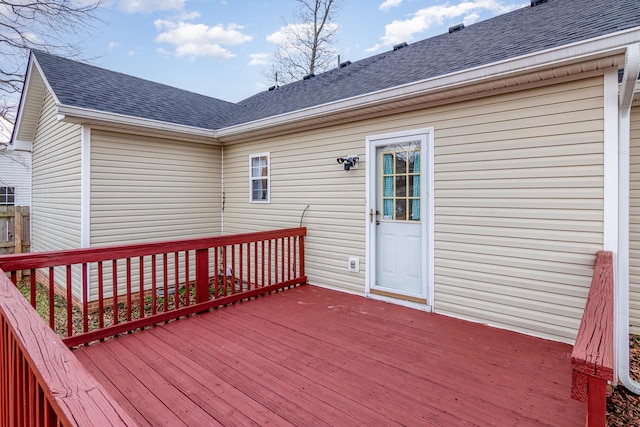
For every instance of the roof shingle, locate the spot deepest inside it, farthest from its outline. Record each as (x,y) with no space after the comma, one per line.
(81,85)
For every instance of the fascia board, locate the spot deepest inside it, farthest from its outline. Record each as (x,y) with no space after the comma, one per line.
(80,115)
(23,97)
(600,46)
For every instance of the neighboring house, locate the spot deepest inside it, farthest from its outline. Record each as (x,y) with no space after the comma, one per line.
(487,177)
(15,169)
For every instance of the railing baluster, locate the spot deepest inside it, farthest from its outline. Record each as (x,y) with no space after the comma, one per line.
(176,286)
(165,272)
(249,266)
(141,290)
(85,297)
(225,283)
(187,285)
(282,264)
(301,249)
(275,260)
(69,303)
(216,279)
(233,269)
(114,291)
(52,298)
(128,289)
(288,258)
(32,290)
(100,295)
(154,284)
(269,261)
(240,261)
(262,261)
(295,258)
(255,265)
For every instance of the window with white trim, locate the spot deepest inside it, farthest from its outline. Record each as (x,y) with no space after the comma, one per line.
(259,178)
(7,196)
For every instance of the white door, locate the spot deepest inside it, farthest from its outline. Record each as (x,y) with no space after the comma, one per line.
(397,217)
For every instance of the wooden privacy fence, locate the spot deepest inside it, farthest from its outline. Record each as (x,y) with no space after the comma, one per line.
(111,290)
(15,229)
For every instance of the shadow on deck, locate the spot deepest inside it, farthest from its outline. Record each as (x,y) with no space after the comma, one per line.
(311,356)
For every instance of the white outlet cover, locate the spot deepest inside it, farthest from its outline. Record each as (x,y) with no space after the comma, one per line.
(354,264)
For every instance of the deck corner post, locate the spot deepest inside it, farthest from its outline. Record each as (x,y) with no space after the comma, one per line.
(597,402)
(202,275)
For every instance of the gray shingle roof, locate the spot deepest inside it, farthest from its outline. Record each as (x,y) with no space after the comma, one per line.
(521,32)
(82,85)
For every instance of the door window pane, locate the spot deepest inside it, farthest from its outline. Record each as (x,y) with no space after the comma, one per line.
(400,184)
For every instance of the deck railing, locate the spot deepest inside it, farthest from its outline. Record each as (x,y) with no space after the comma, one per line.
(592,356)
(41,382)
(91,294)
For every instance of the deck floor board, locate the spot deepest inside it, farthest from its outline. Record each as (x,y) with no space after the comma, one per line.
(311,356)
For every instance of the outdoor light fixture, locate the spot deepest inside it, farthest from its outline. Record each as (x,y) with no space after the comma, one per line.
(349,162)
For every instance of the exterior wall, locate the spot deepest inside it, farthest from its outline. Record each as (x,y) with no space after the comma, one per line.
(304,172)
(149,189)
(634,223)
(518,202)
(55,216)
(15,171)
(55,188)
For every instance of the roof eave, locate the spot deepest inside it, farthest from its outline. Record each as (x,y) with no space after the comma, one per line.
(591,49)
(91,117)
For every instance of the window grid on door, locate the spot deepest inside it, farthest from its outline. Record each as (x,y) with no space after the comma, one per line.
(400,182)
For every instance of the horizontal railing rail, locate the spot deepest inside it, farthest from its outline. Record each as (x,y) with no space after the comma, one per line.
(41,382)
(91,294)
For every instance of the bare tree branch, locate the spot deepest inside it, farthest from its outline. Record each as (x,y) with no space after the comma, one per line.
(307,48)
(51,25)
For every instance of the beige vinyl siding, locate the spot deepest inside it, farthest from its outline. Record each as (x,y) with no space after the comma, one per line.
(519,208)
(149,189)
(518,202)
(304,172)
(55,212)
(56,183)
(634,223)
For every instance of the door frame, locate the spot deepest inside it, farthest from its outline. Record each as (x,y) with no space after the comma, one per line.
(426,135)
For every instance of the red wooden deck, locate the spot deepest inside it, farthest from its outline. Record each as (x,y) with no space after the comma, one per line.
(309,356)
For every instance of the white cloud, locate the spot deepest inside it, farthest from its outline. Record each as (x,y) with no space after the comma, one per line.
(404,30)
(388,4)
(259,59)
(193,40)
(112,45)
(147,6)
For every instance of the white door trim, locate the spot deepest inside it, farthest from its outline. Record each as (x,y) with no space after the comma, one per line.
(427,183)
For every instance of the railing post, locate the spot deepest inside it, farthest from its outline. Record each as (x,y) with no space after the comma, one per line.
(202,275)
(597,402)
(17,234)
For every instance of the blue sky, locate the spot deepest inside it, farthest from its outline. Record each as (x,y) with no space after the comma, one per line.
(220,48)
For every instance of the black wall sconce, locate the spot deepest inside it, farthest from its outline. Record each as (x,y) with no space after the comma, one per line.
(349,163)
